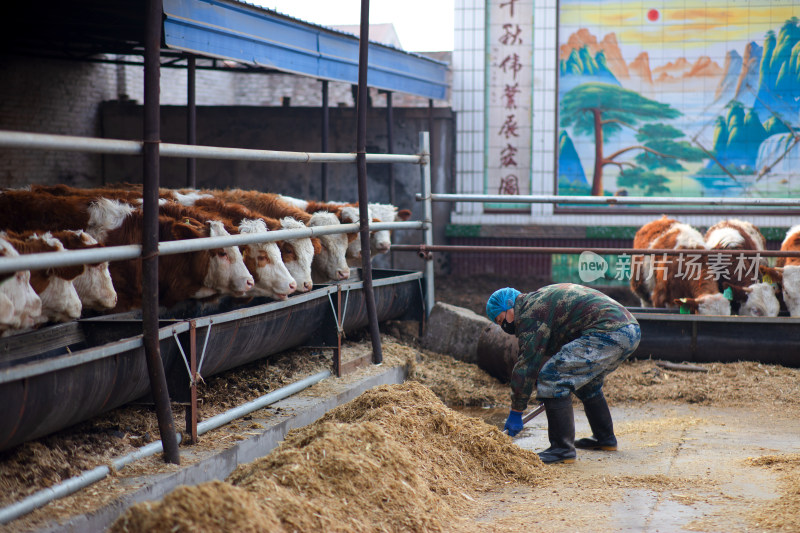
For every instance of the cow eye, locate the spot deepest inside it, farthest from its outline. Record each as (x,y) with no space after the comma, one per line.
(222,254)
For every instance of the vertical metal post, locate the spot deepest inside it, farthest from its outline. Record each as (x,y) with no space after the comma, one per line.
(363,197)
(191,412)
(427,218)
(191,119)
(390,150)
(152,133)
(337,352)
(326,118)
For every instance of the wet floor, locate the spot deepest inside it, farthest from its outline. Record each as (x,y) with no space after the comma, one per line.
(678,468)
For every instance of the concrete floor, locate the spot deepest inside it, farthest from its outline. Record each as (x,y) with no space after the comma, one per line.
(678,468)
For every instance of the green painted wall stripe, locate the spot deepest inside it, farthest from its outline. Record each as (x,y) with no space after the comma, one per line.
(596,232)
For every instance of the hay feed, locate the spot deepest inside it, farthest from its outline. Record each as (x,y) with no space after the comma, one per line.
(780,514)
(212,506)
(393,459)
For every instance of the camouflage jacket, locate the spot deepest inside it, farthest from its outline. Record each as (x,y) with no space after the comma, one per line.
(549,318)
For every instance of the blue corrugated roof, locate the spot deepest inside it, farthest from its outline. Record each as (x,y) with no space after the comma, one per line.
(257,36)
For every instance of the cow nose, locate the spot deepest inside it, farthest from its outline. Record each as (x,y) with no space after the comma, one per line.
(307,285)
(343,273)
(292,285)
(383,246)
(250,284)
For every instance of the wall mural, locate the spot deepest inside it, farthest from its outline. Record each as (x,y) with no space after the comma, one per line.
(689,98)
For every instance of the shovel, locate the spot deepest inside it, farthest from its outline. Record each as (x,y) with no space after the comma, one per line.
(533,413)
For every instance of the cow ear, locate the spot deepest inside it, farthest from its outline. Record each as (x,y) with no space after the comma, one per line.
(184,231)
(770,274)
(739,292)
(687,303)
(403,214)
(317,245)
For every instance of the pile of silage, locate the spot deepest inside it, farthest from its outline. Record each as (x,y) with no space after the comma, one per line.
(393,459)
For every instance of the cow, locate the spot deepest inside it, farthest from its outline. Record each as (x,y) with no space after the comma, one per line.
(330,264)
(296,254)
(786,274)
(59,299)
(180,276)
(670,281)
(753,298)
(20,306)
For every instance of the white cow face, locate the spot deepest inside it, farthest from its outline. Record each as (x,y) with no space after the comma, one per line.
(19,303)
(299,264)
(227,273)
(94,286)
(263,260)
(761,301)
(791,289)
(713,304)
(331,263)
(60,300)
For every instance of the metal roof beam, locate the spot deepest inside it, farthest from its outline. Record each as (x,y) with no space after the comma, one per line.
(251,35)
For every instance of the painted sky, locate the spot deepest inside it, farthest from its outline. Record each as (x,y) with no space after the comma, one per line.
(682,28)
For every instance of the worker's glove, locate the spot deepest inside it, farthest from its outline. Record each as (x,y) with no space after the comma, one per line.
(513,423)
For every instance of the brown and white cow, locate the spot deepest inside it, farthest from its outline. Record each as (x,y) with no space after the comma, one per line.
(753,297)
(20,306)
(679,279)
(786,274)
(330,264)
(59,299)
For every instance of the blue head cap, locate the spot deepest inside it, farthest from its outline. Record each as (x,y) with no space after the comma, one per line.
(501,300)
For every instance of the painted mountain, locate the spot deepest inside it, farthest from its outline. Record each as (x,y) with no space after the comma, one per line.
(737,112)
(571,178)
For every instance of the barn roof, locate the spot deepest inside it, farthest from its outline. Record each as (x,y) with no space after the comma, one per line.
(228,30)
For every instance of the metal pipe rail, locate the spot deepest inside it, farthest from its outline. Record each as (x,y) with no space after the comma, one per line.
(132,251)
(70,143)
(76,483)
(610,200)
(423,248)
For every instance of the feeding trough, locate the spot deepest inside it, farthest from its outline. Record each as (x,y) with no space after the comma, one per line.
(63,374)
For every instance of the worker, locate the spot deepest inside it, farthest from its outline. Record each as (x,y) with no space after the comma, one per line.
(570,338)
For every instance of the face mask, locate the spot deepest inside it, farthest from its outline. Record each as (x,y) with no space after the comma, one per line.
(509,327)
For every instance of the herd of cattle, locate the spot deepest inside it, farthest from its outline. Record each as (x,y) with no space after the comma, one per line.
(55,218)
(715,284)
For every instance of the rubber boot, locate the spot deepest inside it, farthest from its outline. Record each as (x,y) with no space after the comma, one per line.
(560,431)
(599,417)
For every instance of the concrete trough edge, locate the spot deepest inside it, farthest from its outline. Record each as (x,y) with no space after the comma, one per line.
(301,411)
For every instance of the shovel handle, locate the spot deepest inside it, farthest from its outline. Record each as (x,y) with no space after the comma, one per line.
(533,413)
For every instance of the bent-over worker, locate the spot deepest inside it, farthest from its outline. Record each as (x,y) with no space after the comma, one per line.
(570,338)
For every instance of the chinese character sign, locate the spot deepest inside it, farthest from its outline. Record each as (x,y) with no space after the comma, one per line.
(509,86)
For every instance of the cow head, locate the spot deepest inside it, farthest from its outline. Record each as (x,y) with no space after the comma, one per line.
(20,298)
(94,285)
(381,241)
(758,299)
(60,300)
(791,288)
(298,255)
(105,215)
(331,263)
(707,304)
(264,262)
(227,273)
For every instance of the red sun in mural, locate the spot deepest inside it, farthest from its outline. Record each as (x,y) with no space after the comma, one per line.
(652,15)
